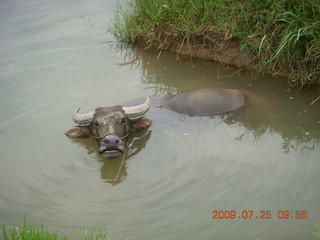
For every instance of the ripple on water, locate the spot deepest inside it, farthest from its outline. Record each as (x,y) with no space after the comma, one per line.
(177,172)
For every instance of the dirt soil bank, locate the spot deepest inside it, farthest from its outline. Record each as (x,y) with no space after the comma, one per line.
(225,53)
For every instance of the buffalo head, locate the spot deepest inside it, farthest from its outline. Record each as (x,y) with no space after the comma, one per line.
(111,126)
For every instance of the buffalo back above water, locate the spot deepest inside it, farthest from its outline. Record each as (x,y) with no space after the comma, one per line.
(205,102)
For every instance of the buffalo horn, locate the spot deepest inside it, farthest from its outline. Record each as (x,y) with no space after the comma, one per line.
(137,111)
(85,118)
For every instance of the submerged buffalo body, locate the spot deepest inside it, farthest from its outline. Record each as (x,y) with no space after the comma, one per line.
(112,125)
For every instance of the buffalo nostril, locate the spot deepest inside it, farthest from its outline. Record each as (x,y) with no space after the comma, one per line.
(111,141)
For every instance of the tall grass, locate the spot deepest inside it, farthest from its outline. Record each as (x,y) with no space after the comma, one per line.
(24,231)
(283,34)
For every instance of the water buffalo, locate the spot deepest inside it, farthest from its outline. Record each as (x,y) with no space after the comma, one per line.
(112,125)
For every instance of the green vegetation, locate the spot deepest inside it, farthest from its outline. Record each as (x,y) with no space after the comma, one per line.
(317,234)
(283,35)
(31,232)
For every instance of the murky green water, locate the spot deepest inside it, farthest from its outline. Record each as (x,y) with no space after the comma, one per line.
(178,171)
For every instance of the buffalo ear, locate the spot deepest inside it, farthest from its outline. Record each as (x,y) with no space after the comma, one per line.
(141,124)
(78,132)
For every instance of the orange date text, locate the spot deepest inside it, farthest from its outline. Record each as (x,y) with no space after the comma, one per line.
(261,214)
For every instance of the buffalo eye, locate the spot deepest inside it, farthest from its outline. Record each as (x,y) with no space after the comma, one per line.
(95,124)
(123,120)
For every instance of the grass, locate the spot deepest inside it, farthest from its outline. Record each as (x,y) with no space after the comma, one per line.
(282,34)
(317,234)
(32,232)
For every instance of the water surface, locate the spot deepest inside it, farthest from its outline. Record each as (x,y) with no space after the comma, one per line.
(54,59)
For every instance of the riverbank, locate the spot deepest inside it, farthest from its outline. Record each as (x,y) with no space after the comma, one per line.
(274,37)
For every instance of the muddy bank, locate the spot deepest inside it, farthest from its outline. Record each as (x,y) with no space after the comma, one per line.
(225,53)
(228,53)
(216,48)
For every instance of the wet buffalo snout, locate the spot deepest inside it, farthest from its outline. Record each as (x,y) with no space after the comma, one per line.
(111,142)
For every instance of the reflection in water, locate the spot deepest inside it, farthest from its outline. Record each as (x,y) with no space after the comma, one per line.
(266,111)
(295,134)
(114,171)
